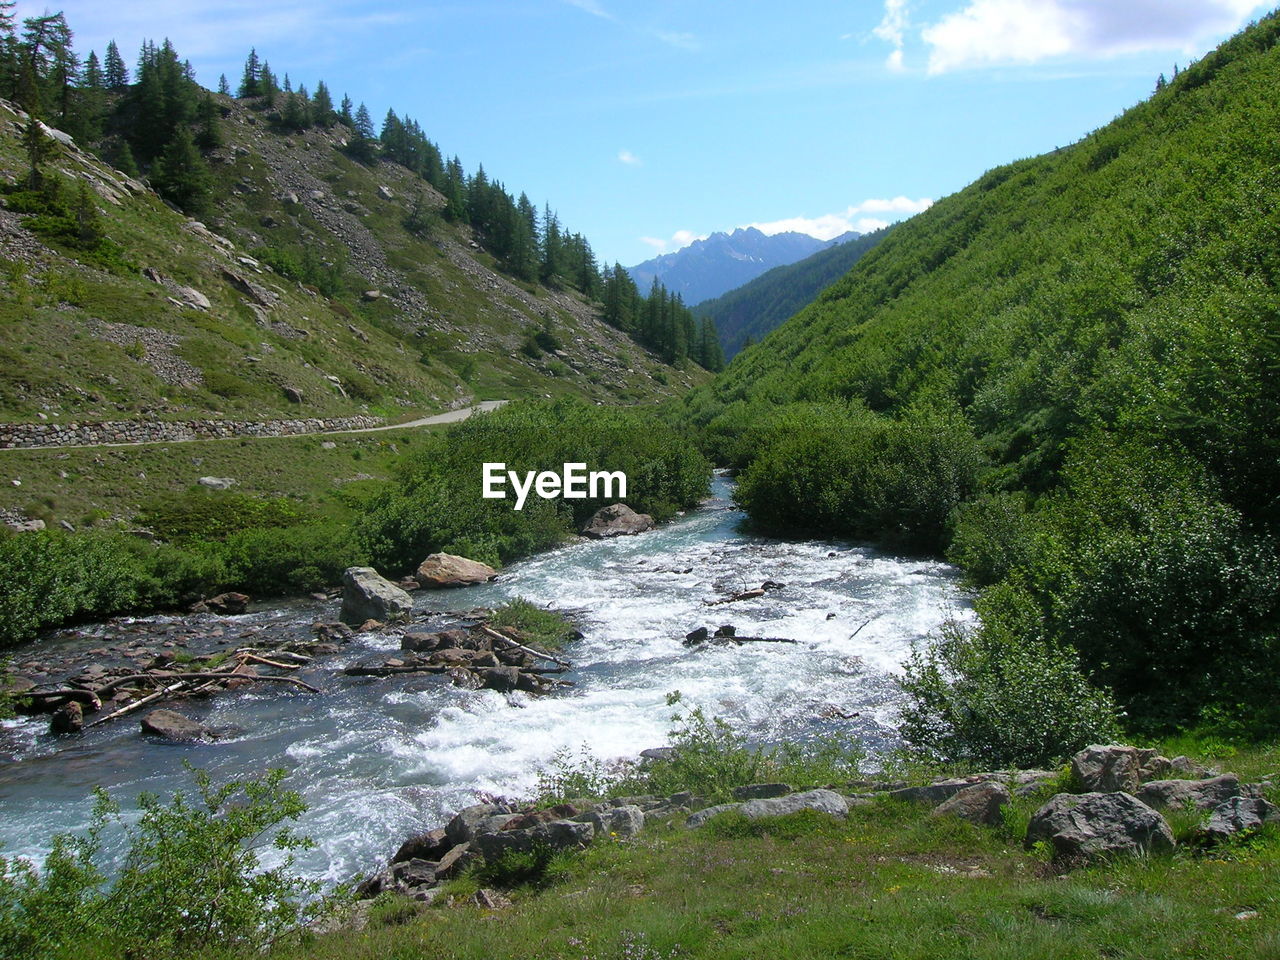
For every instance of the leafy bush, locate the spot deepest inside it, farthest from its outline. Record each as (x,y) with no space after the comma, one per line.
(192,877)
(847,472)
(542,628)
(993,699)
(532,868)
(290,560)
(709,758)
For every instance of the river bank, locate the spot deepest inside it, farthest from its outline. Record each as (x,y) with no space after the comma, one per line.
(377,760)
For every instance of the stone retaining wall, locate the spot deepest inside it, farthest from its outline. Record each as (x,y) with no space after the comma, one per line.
(135,431)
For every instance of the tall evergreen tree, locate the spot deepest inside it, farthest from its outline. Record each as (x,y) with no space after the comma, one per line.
(363,145)
(115,72)
(224,88)
(344,113)
(251,79)
(208,116)
(322,105)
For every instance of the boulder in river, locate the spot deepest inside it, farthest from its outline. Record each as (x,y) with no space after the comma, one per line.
(617,520)
(368,596)
(171,725)
(441,571)
(68,718)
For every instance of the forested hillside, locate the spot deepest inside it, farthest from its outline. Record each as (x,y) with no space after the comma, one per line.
(743,316)
(263,250)
(1066,377)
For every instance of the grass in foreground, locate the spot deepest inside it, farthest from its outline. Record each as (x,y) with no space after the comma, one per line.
(889,882)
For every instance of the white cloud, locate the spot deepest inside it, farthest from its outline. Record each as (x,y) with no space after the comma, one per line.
(831,225)
(892,29)
(990,32)
(679,240)
(591,7)
(894,61)
(629,158)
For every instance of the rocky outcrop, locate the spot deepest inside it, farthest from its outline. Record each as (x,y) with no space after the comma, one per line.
(1114,767)
(444,570)
(1091,825)
(617,520)
(368,596)
(821,801)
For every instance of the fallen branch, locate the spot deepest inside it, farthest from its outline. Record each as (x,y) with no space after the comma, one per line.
(254,658)
(45,701)
(495,635)
(139,704)
(753,640)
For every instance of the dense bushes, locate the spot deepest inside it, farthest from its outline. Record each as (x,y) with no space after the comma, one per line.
(192,878)
(215,541)
(851,473)
(437,503)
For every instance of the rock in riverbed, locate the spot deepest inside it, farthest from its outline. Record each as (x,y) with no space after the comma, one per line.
(441,571)
(368,596)
(617,520)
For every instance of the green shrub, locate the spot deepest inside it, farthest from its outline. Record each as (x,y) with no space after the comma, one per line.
(290,560)
(709,758)
(192,877)
(542,628)
(538,867)
(215,515)
(850,473)
(991,698)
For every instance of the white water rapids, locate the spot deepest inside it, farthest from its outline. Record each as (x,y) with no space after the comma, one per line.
(378,760)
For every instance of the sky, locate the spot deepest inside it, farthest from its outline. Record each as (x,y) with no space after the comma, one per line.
(647,124)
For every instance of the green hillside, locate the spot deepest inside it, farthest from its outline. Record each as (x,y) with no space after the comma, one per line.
(745,315)
(269,264)
(1065,376)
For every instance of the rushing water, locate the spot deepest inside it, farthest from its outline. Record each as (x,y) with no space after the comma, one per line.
(377,760)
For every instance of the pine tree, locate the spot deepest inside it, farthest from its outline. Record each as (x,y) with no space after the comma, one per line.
(9,60)
(88,221)
(268,86)
(363,146)
(181,175)
(251,79)
(209,136)
(344,114)
(224,88)
(92,108)
(115,72)
(322,106)
(92,76)
(124,161)
(37,147)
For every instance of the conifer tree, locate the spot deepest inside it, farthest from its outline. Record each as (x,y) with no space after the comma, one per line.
(251,79)
(363,146)
(209,135)
(124,161)
(37,147)
(322,106)
(115,72)
(224,88)
(9,61)
(267,85)
(181,176)
(88,220)
(344,114)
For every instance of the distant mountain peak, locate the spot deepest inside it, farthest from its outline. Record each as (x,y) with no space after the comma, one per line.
(724,260)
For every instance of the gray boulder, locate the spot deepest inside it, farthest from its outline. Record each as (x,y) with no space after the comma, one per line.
(558,835)
(1238,815)
(1108,768)
(619,822)
(934,793)
(217,483)
(824,801)
(980,804)
(68,718)
(169,725)
(1091,825)
(1201,794)
(705,814)
(463,825)
(617,520)
(441,571)
(368,596)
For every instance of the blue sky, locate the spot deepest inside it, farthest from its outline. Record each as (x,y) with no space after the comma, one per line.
(648,123)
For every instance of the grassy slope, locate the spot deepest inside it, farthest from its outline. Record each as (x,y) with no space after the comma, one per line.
(757,308)
(1126,280)
(890,882)
(53,360)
